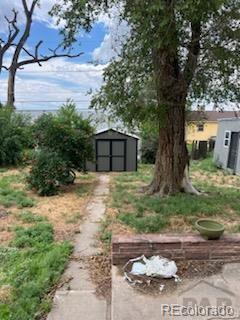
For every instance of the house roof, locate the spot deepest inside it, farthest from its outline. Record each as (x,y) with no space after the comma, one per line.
(112,129)
(211,116)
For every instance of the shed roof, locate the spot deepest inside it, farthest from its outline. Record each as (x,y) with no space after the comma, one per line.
(118,131)
(211,116)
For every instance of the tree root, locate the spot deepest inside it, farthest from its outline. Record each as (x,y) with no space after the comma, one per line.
(187,185)
(164,190)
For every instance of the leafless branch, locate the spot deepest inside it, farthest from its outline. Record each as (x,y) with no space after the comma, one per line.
(20,47)
(13,31)
(43,58)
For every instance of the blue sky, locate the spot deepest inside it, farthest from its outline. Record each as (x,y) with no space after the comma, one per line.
(48,86)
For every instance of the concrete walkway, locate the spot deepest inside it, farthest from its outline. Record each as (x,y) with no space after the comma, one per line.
(77,299)
(214,291)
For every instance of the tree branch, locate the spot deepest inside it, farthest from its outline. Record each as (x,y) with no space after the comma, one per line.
(13,31)
(193,53)
(37,59)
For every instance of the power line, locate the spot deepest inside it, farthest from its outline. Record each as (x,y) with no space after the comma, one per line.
(57,71)
(50,110)
(46,101)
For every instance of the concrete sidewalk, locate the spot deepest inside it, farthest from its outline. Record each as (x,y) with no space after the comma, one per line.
(221,289)
(77,300)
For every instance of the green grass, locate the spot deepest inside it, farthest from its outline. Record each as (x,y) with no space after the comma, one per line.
(29,268)
(10,195)
(83,190)
(145,213)
(207,165)
(29,217)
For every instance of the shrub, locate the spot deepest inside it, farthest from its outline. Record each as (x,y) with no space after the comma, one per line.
(67,134)
(14,136)
(48,172)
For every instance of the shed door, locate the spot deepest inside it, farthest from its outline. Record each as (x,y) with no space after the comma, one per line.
(111,155)
(233,151)
(118,155)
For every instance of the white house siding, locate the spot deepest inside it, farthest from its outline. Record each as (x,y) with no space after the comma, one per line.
(221,151)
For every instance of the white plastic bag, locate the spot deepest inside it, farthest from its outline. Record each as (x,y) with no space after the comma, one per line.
(155,266)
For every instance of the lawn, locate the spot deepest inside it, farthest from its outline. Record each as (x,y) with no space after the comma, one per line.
(35,242)
(132,211)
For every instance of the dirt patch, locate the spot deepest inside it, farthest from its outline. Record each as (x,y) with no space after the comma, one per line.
(6,225)
(177,223)
(219,179)
(64,210)
(99,267)
(186,270)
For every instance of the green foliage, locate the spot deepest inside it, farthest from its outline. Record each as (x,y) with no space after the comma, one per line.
(205,65)
(39,234)
(207,165)
(48,172)
(29,217)
(10,196)
(65,142)
(29,271)
(149,147)
(67,134)
(83,190)
(14,136)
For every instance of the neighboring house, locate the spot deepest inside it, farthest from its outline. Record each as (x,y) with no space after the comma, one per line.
(227,147)
(203,125)
(114,151)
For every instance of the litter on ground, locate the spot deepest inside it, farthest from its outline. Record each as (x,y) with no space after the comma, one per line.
(155,266)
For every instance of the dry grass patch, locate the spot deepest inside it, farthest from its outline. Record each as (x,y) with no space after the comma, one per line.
(64,211)
(133,211)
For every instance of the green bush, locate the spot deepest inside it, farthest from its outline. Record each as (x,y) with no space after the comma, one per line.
(65,143)
(48,172)
(14,136)
(67,134)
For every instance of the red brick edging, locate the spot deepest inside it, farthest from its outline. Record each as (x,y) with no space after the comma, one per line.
(176,247)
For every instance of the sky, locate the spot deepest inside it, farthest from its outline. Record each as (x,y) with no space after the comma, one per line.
(49,86)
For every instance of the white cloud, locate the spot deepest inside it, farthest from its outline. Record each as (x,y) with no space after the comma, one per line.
(55,81)
(41,13)
(117,32)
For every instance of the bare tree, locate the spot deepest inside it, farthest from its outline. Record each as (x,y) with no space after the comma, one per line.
(19,48)
(13,31)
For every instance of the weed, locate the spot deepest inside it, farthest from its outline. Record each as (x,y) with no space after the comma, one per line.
(83,190)
(30,268)
(10,196)
(29,217)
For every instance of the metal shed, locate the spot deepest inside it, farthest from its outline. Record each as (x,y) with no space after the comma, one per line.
(114,151)
(227,147)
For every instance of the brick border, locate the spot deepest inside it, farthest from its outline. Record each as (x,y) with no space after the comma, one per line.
(176,247)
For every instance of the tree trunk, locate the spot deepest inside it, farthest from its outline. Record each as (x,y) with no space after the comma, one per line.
(171,167)
(11,88)
(172,159)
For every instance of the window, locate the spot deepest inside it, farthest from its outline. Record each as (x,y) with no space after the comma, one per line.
(227,138)
(200,127)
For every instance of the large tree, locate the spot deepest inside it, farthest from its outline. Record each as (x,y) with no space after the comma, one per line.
(188,50)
